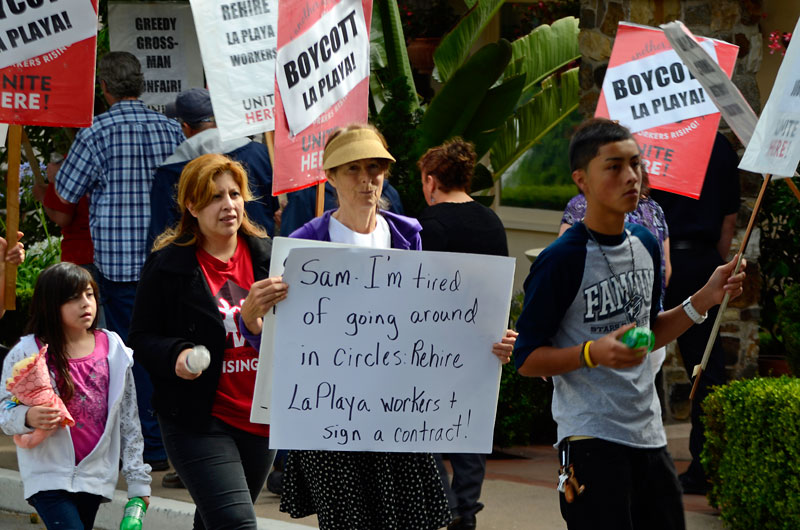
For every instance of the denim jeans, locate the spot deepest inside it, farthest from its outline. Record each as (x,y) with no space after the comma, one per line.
(224,469)
(465,490)
(118,300)
(66,511)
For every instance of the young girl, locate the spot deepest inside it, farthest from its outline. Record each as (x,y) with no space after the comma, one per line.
(70,473)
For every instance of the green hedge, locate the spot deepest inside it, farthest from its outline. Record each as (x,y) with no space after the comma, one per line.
(752,452)
(553,197)
(523,407)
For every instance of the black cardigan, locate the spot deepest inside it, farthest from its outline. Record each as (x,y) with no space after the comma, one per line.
(174,310)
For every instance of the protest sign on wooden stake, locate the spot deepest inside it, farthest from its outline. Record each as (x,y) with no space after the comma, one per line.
(239,47)
(775,146)
(55,86)
(162,36)
(32,28)
(648,83)
(298,154)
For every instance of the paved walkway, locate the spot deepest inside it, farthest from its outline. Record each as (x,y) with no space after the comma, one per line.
(519,493)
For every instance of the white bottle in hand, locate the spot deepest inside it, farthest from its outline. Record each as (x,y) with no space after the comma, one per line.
(198,359)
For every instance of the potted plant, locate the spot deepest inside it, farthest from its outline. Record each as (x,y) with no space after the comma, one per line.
(424,24)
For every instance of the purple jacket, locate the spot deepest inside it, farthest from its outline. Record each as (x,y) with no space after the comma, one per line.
(405,236)
(404,230)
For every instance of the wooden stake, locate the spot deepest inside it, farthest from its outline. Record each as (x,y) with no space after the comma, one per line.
(320,207)
(12,211)
(697,373)
(792,187)
(269,139)
(32,160)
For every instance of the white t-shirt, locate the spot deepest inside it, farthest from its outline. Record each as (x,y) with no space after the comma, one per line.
(378,238)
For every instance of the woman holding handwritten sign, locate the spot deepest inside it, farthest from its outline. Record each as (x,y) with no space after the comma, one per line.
(357,489)
(189,295)
(454,222)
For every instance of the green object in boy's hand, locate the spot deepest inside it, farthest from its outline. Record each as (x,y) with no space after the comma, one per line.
(638,338)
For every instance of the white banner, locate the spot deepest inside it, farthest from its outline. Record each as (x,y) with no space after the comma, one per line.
(163,38)
(323,64)
(238,42)
(775,145)
(3,133)
(389,350)
(31,28)
(654,91)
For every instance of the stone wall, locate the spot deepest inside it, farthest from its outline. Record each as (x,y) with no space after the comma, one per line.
(734,21)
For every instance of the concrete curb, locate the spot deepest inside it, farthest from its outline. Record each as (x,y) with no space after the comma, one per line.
(166,514)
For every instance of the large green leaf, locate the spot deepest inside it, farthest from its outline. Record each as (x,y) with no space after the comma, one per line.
(387,41)
(456,45)
(494,110)
(544,51)
(377,62)
(559,96)
(452,110)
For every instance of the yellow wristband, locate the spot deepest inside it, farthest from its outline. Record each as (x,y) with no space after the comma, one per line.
(586,356)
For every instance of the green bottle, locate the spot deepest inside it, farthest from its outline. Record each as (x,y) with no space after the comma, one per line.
(134,514)
(638,337)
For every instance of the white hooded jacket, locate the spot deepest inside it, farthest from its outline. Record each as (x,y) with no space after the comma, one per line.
(51,464)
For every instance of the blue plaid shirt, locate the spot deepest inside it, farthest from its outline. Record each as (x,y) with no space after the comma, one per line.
(114,161)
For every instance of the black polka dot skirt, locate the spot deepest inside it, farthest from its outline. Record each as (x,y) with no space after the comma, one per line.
(365,491)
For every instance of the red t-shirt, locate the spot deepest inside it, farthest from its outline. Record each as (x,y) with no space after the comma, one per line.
(230,282)
(76,246)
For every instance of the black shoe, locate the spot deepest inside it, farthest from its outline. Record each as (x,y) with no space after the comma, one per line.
(172,480)
(158,465)
(463,522)
(275,482)
(692,485)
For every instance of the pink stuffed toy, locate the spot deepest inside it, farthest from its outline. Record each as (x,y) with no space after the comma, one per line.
(30,384)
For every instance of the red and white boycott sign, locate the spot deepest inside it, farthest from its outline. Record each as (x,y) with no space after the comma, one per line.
(34,27)
(323,64)
(239,41)
(649,89)
(322,80)
(47,51)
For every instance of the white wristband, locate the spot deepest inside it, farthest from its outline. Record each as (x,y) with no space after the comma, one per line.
(692,313)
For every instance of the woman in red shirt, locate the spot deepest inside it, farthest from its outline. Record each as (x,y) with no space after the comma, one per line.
(201,274)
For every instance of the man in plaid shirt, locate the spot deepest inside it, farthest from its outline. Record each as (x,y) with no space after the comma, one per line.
(114,162)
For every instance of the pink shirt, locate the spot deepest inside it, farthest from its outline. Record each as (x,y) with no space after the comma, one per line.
(89,403)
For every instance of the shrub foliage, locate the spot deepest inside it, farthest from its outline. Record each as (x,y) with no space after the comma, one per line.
(523,407)
(752,452)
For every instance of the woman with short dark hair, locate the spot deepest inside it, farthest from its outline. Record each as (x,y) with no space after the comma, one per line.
(454,222)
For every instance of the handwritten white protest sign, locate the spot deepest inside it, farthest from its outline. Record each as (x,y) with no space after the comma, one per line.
(163,38)
(260,412)
(238,42)
(388,350)
(775,145)
(655,90)
(323,64)
(35,27)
